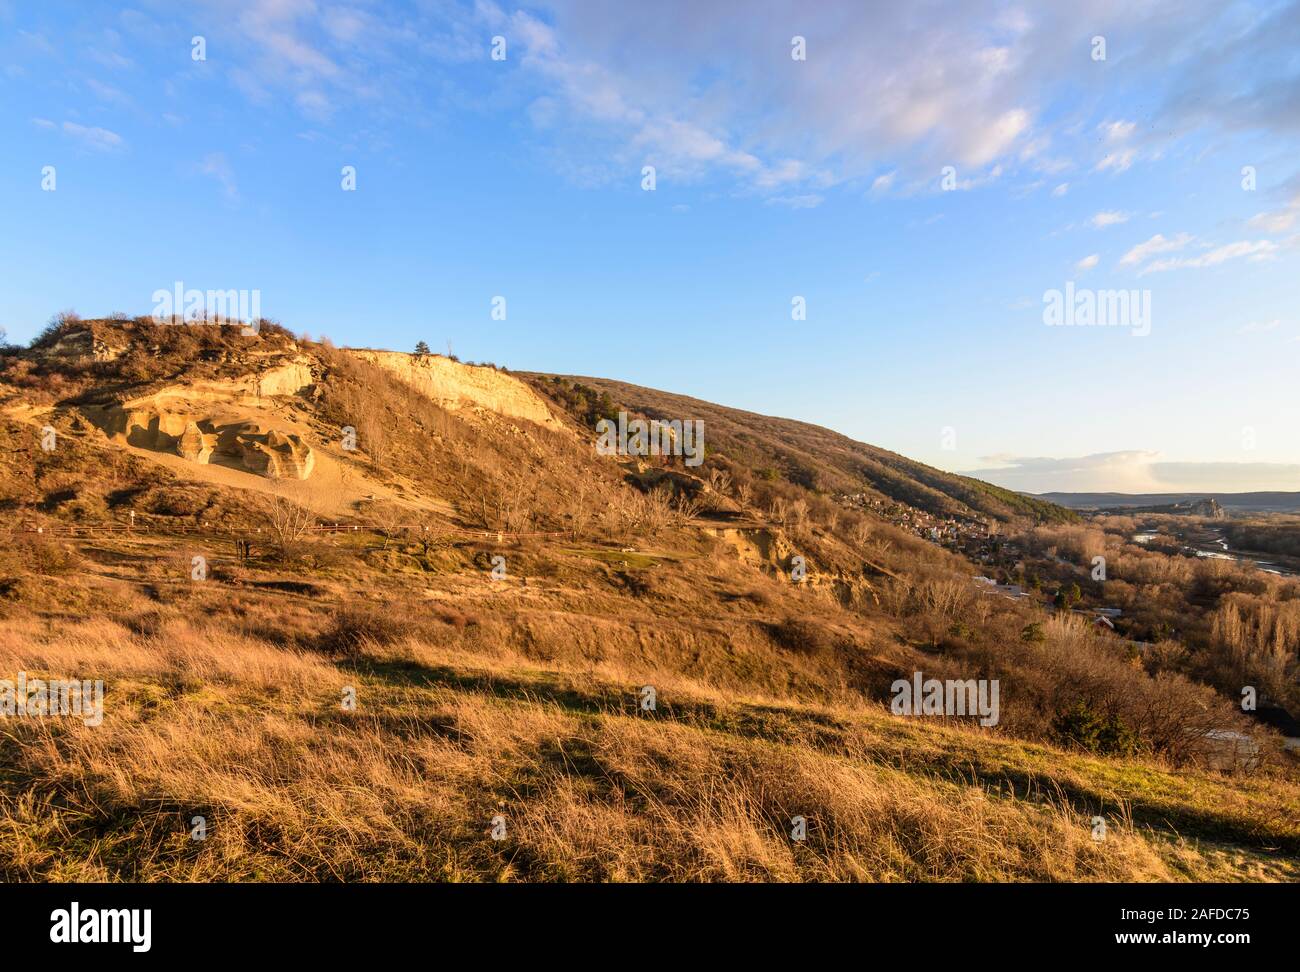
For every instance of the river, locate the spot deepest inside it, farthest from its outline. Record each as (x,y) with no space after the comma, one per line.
(1216,548)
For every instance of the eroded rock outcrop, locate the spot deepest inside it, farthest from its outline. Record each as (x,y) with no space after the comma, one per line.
(457,386)
(243,445)
(218,421)
(278,455)
(194,445)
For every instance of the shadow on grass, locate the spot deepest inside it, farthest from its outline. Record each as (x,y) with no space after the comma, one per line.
(832,736)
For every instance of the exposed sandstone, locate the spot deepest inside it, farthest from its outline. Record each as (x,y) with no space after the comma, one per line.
(194,445)
(207,439)
(457,386)
(279,455)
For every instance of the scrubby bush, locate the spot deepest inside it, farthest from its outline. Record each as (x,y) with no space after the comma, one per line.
(353,628)
(1081,727)
(803,636)
(177,501)
(40,554)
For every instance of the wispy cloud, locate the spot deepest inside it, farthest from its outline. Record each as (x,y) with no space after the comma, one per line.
(1254,250)
(1156,244)
(882,183)
(1280,220)
(808,201)
(1108,218)
(703,93)
(217,167)
(100,139)
(1132,471)
(106,92)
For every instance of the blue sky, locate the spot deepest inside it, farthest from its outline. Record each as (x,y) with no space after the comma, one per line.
(775,178)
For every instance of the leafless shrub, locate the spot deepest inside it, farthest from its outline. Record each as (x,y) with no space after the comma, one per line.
(288,524)
(779,510)
(389,519)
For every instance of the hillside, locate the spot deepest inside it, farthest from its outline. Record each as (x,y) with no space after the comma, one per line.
(824,461)
(371,616)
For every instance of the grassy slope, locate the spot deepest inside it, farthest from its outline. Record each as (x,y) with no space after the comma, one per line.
(224,703)
(519,698)
(807,453)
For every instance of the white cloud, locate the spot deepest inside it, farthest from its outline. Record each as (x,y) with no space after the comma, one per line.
(1108,218)
(344,24)
(713,94)
(883,182)
(771,122)
(1118,131)
(37,41)
(106,92)
(315,105)
(1061,190)
(1119,160)
(1088,262)
(1133,471)
(1157,244)
(1275,222)
(100,139)
(109,59)
(982,147)
(1120,156)
(807,201)
(1255,250)
(1278,221)
(216,166)
(1125,472)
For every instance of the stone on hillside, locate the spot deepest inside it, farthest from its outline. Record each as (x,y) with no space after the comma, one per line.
(281,456)
(194,445)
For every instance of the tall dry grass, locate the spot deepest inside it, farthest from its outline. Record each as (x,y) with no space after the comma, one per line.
(292,786)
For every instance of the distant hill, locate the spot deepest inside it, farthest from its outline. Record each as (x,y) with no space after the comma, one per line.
(1261,502)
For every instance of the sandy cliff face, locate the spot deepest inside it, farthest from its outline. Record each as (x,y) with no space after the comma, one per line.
(459,386)
(217,422)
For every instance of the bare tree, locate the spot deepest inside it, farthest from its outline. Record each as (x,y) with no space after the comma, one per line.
(779,510)
(288,523)
(580,510)
(372,431)
(388,519)
(799,512)
(685,509)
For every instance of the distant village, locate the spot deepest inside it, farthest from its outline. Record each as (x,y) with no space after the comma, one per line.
(979,542)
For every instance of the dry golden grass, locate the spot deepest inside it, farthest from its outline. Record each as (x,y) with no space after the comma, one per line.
(519,698)
(201,722)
